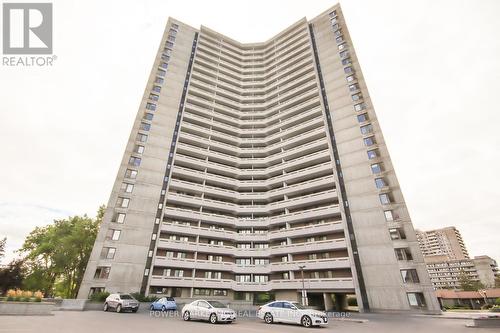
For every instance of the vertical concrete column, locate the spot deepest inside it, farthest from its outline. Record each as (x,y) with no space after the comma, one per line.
(327,297)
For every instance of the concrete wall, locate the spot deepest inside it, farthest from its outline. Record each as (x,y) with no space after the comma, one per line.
(380,268)
(128,265)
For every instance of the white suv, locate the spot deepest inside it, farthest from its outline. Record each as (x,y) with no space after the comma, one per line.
(291,312)
(121,302)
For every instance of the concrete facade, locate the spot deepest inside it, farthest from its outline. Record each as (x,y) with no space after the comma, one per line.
(487,270)
(263,162)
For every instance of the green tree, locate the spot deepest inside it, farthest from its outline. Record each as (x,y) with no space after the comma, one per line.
(467,284)
(497,282)
(56,255)
(2,247)
(11,276)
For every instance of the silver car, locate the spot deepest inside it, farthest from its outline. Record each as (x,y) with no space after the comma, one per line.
(121,302)
(213,311)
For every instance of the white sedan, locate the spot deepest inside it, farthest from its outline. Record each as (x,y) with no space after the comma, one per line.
(213,311)
(291,312)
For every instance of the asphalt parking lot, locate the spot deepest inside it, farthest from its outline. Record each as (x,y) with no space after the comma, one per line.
(144,321)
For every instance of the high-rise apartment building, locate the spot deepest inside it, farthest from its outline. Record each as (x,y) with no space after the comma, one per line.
(249,165)
(439,244)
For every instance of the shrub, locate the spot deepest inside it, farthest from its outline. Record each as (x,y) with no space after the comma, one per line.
(352,301)
(27,293)
(99,297)
(497,301)
(141,298)
(10,298)
(38,294)
(486,306)
(11,293)
(38,299)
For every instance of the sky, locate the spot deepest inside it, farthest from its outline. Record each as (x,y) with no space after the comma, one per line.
(432,69)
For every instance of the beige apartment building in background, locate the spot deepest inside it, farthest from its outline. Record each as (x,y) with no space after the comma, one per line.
(442,244)
(254,169)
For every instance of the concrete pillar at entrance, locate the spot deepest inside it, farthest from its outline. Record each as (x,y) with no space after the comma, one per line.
(329,306)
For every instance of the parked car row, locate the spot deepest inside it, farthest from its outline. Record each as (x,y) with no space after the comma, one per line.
(217,312)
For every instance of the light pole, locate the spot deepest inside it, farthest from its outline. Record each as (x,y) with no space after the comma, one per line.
(304,294)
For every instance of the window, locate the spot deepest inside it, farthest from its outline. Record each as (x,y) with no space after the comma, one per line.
(119,218)
(151,106)
(343,54)
(416,300)
(376,168)
(335,27)
(285,276)
(397,233)
(403,254)
(145,126)
(102,272)
(332,14)
(310,239)
(260,278)
(200,291)
(243,261)
(346,61)
(362,117)
(161,73)
(169,44)
(384,199)
(261,262)
(350,78)
(211,257)
(388,215)
(153,97)
(372,154)
(179,273)
(354,87)
(138,149)
(338,33)
(132,174)
(341,46)
(339,40)
(360,106)
(261,245)
(126,187)
(113,234)
(172,32)
(243,278)
(146,272)
(243,245)
(183,255)
(108,252)
(380,182)
(165,57)
(313,256)
(156,89)
(220,292)
(163,65)
(356,97)
(142,137)
(159,80)
(153,236)
(122,202)
(367,129)
(148,116)
(213,275)
(171,38)
(348,70)
(370,141)
(135,161)
(284,259)
(175,26)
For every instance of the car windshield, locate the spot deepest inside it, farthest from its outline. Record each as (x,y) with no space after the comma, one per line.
(216,304)
(125,296)
(299,306)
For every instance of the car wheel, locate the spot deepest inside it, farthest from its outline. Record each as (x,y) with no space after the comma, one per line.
(105,308)
(134,310)
(268,318)
(119,308)
(163,308)
(213,318)
(306,321)
(186,316)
